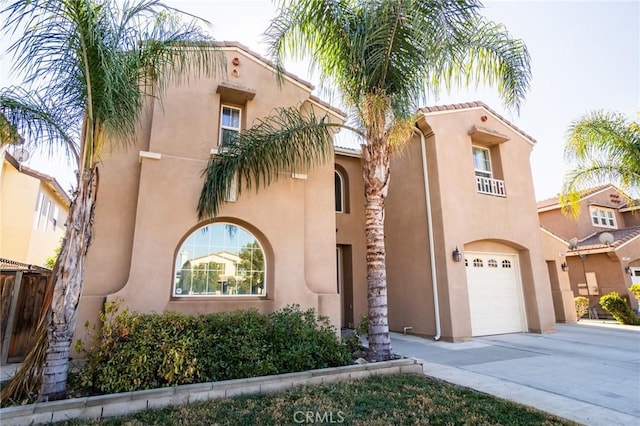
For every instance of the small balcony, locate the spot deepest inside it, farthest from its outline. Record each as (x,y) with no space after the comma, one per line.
(490,186)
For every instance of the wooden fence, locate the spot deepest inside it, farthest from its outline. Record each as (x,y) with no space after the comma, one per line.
(22,290)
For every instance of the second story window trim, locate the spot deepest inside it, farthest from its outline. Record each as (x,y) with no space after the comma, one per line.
(485,183)
(482,162)
(230,124)
(603,217)
(339,191)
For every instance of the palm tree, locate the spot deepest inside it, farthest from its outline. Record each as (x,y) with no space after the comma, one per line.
(606,147)
(90,66)
(385,58)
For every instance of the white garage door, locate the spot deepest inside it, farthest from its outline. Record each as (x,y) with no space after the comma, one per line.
(495,294)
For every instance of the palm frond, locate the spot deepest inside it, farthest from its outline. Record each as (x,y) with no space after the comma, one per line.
(405,50)
(285,142)
(99,61)
(605,147)
(36,119)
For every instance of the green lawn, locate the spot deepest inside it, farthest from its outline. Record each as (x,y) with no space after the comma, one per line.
(389,400)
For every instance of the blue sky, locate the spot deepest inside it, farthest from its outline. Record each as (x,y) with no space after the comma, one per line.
(585,55)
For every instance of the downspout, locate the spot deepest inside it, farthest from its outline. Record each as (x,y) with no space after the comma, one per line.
(432,253)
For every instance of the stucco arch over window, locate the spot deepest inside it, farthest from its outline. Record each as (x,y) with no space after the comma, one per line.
(220,259)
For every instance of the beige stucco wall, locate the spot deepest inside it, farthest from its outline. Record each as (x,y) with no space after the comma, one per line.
(20,239)
(350,233)
(555,255)
(146,208)
(464,218)
(408,263)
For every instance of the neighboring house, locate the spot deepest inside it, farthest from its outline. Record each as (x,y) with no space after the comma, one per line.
(301,240)
(33,213)
(596,253)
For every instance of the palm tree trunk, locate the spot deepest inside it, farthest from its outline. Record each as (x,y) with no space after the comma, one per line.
(376,184)
(67,287)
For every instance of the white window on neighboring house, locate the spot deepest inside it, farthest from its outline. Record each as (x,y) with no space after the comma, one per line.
(39,204)
(229,125)
(482,162)
(603,217)
(46,216)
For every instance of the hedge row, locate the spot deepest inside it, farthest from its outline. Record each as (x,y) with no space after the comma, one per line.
(134,351)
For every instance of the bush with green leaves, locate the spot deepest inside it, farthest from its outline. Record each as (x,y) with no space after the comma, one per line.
(619,309)
(582,306)
(133,351)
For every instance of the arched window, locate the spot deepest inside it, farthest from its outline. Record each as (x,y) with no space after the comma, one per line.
(477,263)
(220,259)
(492,263)
(339,191)
(506,264)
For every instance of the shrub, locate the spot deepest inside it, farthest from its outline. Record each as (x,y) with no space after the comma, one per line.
(618,307)
(582,306)
(134,351)
(635,289)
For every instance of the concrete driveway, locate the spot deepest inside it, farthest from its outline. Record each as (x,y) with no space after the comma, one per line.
(587,372)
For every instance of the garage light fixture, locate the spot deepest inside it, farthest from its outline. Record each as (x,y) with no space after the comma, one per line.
(627,269)
(564,266)
(457,256)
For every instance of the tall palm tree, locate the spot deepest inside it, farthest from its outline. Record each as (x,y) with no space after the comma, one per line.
(90,65)
(385,58)
(605,146)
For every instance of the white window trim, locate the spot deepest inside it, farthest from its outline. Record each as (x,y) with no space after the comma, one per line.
(480,172)
(47,216)
(600,214)
(222,127)
(341,178)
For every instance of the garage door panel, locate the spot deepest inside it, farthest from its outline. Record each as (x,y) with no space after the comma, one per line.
(495,296)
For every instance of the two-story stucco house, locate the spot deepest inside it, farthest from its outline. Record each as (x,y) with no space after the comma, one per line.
(596,253)
(463,185)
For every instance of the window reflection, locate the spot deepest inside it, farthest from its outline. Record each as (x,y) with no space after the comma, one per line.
(220,259)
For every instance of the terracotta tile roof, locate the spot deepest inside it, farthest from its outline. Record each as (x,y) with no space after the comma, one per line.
(620,236)
(555,201)
(475,104)
(46,179)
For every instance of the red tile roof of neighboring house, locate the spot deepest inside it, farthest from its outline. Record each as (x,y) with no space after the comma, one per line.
(475,104)
(620,236)
(555,201)
(46,179)
(592,242)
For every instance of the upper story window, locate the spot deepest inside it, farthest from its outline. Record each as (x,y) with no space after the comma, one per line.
(230,119)
(482,162)
(339,191)
(220,259)
(485,181)
(603,217)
